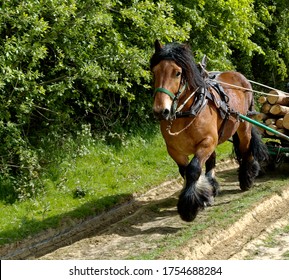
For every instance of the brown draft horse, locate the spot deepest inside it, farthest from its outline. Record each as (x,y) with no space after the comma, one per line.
(179,86)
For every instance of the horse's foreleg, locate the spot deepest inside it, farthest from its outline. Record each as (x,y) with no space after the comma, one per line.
(182,170)
(181,160)
(197,192)
(210,172)
(188,204)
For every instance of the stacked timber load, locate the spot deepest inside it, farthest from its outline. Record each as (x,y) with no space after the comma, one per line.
(274,112)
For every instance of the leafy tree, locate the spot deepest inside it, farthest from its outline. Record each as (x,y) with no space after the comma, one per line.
(67,63)
(272,36)
(246,35)
(219,27)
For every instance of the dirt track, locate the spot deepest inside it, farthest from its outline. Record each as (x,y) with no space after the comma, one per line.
(149,227)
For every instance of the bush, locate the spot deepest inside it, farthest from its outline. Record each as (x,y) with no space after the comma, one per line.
(65,64)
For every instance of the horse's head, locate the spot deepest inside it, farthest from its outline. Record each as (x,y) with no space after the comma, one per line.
(167,82)
(174,72)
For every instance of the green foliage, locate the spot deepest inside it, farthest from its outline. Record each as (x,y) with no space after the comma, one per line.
(272,36)
(67,63)
(71,64)
(248,35)
(218,27)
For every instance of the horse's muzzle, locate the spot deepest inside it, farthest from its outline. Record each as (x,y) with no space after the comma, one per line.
(162,114)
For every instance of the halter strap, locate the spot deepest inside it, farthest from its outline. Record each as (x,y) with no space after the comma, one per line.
(175,98)
(170,94)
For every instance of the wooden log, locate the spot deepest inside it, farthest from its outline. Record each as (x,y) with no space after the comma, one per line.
(270,121)
(266,108)
(283,130)
(273,127)
(273,135)
(279,123)
(262,99)
(278,97)
(286,121)
(261,117)
(279,110)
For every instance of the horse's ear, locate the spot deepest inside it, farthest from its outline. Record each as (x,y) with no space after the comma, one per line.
(158,46)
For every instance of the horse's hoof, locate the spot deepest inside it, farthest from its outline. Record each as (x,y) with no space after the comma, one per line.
(188,217)
(186,210)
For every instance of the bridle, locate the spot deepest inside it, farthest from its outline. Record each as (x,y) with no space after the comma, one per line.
(175,98)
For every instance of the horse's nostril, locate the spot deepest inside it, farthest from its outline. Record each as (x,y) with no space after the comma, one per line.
(162,114)
(166,113)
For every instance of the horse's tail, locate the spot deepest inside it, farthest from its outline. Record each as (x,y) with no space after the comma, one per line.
(195,197)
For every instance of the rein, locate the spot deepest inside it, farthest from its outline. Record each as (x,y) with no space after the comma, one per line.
(255,91)
(177,110)
(187,100)
(169,127)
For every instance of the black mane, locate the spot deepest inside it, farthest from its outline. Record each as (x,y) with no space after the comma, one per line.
(181,54)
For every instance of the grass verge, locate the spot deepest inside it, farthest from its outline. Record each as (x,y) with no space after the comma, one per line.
(100,177)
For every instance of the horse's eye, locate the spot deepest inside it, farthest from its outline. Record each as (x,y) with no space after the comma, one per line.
(178,74)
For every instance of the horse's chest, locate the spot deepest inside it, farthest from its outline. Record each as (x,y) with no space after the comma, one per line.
(183,144)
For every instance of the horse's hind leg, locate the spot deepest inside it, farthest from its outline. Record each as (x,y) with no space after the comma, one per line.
(249,167)
(248,171)
(210,172)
